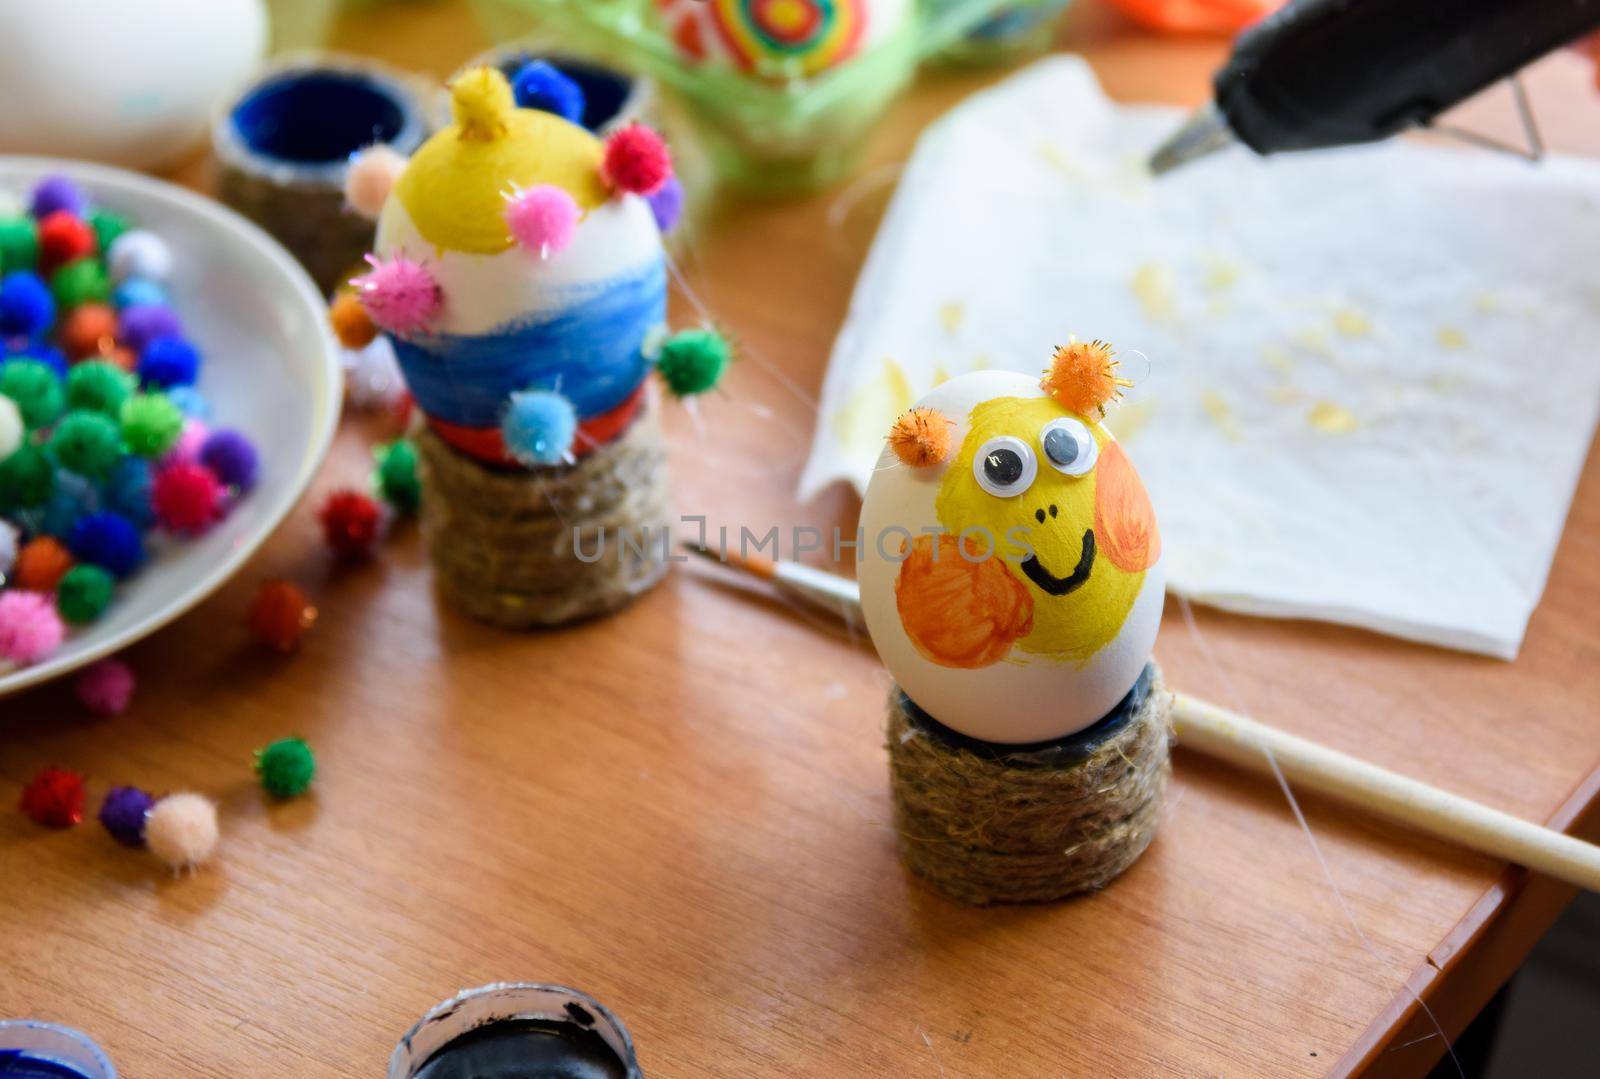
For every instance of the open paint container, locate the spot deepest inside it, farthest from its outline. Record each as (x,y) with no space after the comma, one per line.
(516,1030)
(34,1049)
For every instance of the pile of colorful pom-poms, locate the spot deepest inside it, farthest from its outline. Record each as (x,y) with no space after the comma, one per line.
(180,829)
(104,445)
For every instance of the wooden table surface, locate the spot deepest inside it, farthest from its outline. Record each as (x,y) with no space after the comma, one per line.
(683,809)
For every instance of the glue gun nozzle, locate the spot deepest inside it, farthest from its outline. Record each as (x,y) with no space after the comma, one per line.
(1204,133)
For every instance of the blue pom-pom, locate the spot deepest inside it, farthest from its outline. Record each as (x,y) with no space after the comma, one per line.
(169,361)
(190,402)
(539,427)
(58,193)
(110,541)
(127,490)
(48,355)
(231,458)
(73,499)
(666,204)
(543,86)
(139,292)
(26,306)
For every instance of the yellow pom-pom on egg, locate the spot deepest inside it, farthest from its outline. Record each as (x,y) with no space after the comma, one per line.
(1083,377)
(922,437)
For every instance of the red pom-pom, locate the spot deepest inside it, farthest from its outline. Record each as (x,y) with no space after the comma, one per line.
(351,522)
(186,497)
(280,614)
(63,236)
(637,160)
(54,798)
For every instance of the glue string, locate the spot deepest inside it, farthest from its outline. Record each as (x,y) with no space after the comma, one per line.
(1236,702)
(868,183)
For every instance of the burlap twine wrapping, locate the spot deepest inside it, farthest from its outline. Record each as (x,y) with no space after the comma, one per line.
(502,542)
(986,823)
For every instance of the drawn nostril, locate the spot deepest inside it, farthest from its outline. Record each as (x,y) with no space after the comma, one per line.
(1039,515)
(1052,513)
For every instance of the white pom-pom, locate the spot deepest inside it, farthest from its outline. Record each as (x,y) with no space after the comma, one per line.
(181,830)
(372,378)
(8,547)
(11,428)
(139,253)
(370,178)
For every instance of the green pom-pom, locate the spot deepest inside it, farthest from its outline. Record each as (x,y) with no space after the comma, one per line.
(84,593)
(88,443)
(19,244)
(27,478)
(107,227)
(151,424)
(80,281)
(693,361)
(36,390)
(397,479)
(99,386)
(286,767)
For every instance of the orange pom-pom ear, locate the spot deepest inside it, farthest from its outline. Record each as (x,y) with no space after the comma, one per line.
(922,437)
(1083,377)
(960,611)
(351,323)
(1124,521)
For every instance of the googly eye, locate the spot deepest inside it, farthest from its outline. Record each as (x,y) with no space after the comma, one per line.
(1069,446)
(1005,466)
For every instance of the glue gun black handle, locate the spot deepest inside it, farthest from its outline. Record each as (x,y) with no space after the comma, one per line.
(1334,72)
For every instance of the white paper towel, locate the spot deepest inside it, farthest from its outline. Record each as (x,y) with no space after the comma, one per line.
(1373,374)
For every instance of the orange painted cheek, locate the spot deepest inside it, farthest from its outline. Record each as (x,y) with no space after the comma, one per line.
(960,613)
(1124,521)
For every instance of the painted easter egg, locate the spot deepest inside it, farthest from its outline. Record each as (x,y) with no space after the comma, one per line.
(1011,576)
(573,314)
(780,37)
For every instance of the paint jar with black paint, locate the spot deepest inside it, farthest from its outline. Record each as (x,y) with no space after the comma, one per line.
(517,1030)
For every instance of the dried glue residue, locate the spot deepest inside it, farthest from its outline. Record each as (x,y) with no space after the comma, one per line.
(1450,337)
(1285,395)
(1152,286)
(1221,274)
(1351,323)
(951,315)
(1486,302)
(1313,339)
(1221,414)
(1277,358)
(1332,419)
(871,409)
(1130,418)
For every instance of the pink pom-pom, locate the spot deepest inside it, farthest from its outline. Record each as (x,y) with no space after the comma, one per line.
(636,161)
(186,497)
(105,688)
(399,294)
(30,628)
(370,178)
(187,448)
(542,219)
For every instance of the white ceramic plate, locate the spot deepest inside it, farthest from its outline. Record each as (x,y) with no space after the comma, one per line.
(271,370)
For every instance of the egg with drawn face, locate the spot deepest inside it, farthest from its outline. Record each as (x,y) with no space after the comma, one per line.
(1011,571)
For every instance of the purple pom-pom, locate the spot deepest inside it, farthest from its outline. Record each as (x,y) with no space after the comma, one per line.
(58,193)
(123,814)
(138,326)
(666,203)
(542,219)
(231,458)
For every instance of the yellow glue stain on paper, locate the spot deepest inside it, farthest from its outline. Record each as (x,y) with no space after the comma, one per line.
(1313,339)
(1220,274)
(1450,337)
(1486,302)
(871,409)
(1277,358)
(1131,418)
(1057,158)
(981,362)
(1332,419)
(1221,414)
(1152,286)
(951,314)
(941,375)
(1351,323)
(1285,395)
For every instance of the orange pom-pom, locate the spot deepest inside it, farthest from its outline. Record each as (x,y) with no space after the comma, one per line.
(41,564)
(90,330)
(922,437)
(351,323)
(1083,377)
(280,615)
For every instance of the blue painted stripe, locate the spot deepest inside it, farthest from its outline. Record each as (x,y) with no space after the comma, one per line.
(589,352)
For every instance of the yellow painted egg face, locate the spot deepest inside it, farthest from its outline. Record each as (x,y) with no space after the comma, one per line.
(1013,588)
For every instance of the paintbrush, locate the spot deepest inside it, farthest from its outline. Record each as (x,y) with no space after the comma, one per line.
(1249,744)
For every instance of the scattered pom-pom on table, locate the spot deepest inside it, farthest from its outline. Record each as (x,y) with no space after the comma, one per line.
(396,477)
(123,814)
(181,829)
(54,798)
(280,614)
(286,767)
(351,523)
(106,687)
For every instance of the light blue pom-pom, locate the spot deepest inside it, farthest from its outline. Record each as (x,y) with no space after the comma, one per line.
(190,402)
(539,427)
(139,292)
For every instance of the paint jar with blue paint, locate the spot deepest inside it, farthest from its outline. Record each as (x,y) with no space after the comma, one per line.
(34,1049)
(517,1031)
(284,145)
